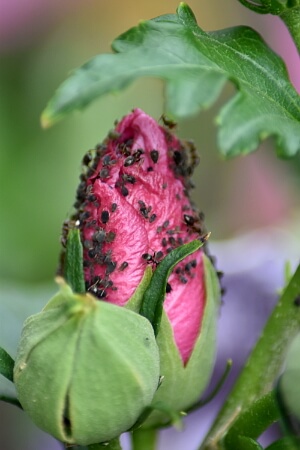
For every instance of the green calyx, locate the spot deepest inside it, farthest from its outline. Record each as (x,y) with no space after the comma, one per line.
(85,369)
(181,384)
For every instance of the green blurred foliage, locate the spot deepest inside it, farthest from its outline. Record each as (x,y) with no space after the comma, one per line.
(39,169)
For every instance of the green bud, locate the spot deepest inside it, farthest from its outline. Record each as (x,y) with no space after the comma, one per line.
(85,369)
(182,384)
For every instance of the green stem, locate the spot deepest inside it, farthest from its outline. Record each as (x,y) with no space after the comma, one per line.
(144,439)
(254,421)
(291,18)
(114,444)
(262,368)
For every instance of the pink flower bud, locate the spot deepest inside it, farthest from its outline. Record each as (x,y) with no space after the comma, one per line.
(133,208)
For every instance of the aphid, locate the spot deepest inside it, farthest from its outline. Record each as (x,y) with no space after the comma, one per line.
(172,241)
(110,267)
(150,169)
(168,288)
(123,266)
(168,122)
(154,155)
(128,178)
(87,159)
(159,229)
(164,185)
(104,173)
(164,242)
(106,160)
(110,236)
(113,207)
(124,191)
(193,154)
(91,198)
(104,216)
(88,244)
(129,161)
(84,215)
(158,255)
(152,218)
(99,236)
(177,157)
(183,279)
(166,224)
(113,134)
(189,220)
(137,155)
(153,258)
(147,257)
(107,257)
(81,191)
(92,253)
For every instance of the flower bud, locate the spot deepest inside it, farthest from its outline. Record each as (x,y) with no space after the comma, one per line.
(85,369)
(133,209)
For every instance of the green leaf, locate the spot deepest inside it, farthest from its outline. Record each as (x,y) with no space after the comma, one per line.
(74,262)
(6,364)
(195,65)
(152,304)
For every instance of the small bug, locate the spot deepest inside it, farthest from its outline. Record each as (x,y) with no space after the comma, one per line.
(104,216)
(168,122)
(154,155)
(123,266)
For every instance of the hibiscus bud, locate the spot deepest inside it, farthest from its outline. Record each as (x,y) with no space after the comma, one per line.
(133,209)
(85,369)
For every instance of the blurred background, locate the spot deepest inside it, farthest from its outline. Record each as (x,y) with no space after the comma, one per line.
(251,203)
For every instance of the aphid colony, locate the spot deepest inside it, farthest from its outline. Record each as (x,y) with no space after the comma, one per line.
(98,249)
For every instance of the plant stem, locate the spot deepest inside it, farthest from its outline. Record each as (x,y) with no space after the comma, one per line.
(262,368)
(291,18)
(254,421)
(114,444)
(144,439)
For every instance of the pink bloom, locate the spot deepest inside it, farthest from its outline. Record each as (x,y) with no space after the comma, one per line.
(133,208)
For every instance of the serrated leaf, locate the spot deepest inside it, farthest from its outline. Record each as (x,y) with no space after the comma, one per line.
(196,65)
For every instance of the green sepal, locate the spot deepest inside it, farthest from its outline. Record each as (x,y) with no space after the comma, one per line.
(182,384)
(6,364)
(7,370)
(61,371)
(152,303)
(73,264)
